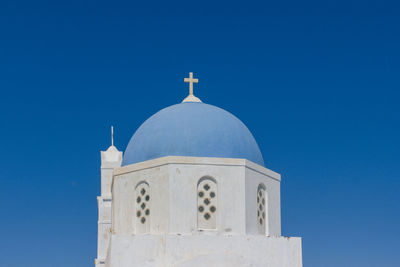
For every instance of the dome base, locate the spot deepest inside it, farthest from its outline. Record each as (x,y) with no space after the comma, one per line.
(191,98)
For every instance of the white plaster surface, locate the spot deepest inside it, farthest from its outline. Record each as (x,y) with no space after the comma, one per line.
(204,251)
(273,194)
(173,182)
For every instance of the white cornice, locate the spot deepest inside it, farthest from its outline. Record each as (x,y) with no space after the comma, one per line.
(154,163)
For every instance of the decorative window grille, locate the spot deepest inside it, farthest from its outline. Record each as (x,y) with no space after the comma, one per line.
(207,204)
(262,219)
(142,207)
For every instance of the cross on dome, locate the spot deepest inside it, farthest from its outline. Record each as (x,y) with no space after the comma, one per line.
(191,81)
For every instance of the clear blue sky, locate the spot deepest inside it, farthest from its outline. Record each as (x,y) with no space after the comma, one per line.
(317,83)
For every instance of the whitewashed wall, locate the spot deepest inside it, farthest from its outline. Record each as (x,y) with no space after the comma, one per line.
(173,182)
(272,181)
(204,251)
(173,239)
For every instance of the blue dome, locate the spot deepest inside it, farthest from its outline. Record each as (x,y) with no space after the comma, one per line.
(192,129)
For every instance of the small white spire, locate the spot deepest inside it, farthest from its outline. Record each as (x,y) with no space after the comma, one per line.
(112,135)
(111,154)
(191,81)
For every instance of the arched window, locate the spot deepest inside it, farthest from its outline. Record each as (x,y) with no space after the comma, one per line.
(262,217)
(142,207)
(207,195)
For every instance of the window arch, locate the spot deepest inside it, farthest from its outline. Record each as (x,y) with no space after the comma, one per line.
(262,204)
(207,196)
(142,207)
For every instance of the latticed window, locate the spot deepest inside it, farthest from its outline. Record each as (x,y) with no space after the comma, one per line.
(207,203)
(142,207)
(262,219)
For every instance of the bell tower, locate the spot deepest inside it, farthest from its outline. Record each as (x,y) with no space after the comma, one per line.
(110,159)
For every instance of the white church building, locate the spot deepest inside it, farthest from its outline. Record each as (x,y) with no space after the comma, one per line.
(191,190)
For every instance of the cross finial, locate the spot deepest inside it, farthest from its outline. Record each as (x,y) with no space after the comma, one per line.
(191,81)
(112,136)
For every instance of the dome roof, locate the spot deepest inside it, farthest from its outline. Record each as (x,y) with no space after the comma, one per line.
(192,129)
